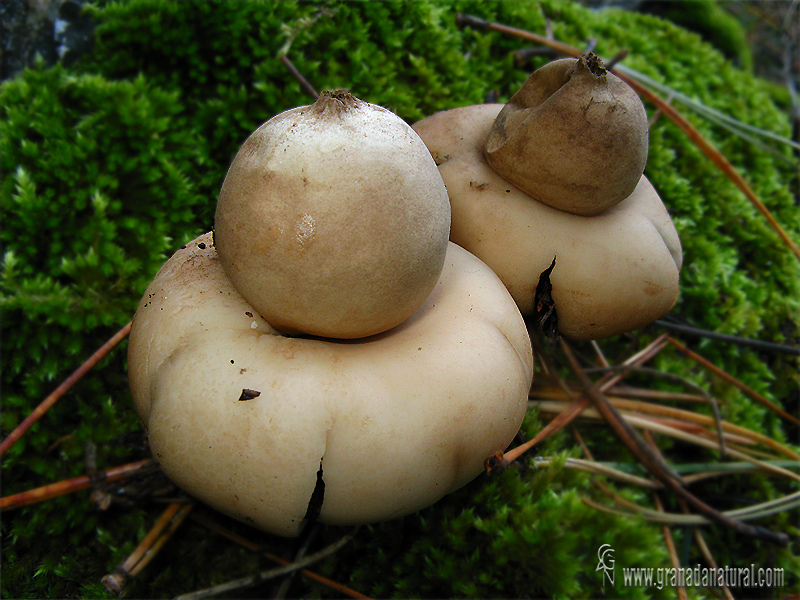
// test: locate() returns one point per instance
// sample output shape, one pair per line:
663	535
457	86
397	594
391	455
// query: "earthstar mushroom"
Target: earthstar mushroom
279	429
612	272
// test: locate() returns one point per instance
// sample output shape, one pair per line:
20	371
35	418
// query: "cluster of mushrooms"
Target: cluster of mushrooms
348	345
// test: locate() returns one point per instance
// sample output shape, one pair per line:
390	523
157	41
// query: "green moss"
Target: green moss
110	165
95	183
94	186
520	534
709	19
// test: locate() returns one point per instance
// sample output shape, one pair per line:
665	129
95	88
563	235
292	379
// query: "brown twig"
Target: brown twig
309	533
732	380
48	402
614	60
165	526
670	542
705	551
670	112
464	20
760	460
714	155
500	461
645	408
523	55
634	392
542	390
579	438
253	580
71	486
671	480
676	378
601	358
620	500
650	459
244	542
657	114
304	84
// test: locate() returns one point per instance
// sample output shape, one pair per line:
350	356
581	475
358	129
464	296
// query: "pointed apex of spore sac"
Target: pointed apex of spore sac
335	102
594	63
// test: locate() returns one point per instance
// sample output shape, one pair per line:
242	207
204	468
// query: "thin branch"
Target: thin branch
661	395
723	337
500	461
650	424
253	580
308	535
677	413
304	84
234	537
705	551
716	157
677	378
650	459
732	380
756	511
600	356
48	402
617	58
663	472
71	486
739	128
733	451
670	542
464	20
736	467
162	539
584	448
541	389
619	500
148	548
596	468
690	471
657	114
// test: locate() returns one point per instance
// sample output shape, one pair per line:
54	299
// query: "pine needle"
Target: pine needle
62	389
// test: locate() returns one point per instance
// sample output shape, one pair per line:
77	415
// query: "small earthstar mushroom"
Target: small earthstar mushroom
608	269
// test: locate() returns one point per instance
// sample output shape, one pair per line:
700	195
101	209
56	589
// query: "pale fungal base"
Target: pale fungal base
614	272
254	423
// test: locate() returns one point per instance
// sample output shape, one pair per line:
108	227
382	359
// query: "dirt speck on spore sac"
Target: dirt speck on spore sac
248	394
